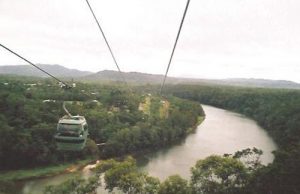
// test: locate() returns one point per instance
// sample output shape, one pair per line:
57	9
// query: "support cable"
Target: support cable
110	50
178	34
16	54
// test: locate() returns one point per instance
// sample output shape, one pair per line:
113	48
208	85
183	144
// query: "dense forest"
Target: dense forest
278	111
129	122
125	121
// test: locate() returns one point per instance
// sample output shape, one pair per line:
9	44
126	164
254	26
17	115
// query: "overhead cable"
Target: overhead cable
172	54
109	47
16	54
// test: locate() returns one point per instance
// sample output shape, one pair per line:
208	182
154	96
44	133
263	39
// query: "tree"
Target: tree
250	158
91	149
75	186
151	185
174	185
217	174
117	172
126	177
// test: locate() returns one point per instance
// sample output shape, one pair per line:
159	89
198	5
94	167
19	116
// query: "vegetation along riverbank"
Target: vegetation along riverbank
126	122
130	122
277	110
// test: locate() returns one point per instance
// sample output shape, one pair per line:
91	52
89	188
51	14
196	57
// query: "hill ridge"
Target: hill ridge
138	77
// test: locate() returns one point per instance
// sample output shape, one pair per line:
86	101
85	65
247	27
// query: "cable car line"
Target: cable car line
44	71
66	110
72	131
172	54
16	54
109	47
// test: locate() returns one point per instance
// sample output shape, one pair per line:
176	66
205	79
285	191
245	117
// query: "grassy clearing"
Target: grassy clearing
164	109
40	172
145	107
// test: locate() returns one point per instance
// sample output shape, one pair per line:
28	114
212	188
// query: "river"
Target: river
221	132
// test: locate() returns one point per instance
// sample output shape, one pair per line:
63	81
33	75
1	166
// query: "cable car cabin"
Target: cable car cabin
71	133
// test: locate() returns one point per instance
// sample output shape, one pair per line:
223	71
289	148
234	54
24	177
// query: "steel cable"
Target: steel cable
172	54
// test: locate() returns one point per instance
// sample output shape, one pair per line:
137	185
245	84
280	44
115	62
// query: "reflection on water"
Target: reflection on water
221	132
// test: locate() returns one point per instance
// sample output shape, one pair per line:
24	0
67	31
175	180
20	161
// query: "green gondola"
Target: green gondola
72	132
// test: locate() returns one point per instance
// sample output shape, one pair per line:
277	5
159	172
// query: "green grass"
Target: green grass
41	171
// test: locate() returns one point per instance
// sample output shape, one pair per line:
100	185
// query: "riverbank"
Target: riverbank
49	171
222	132
43	172
213	137
140	153
199	122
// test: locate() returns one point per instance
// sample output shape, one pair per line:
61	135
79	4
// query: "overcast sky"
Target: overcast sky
220	38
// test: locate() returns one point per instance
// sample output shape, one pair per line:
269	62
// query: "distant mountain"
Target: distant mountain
144	78
135	78
138	78
56	70
259	83
131	77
